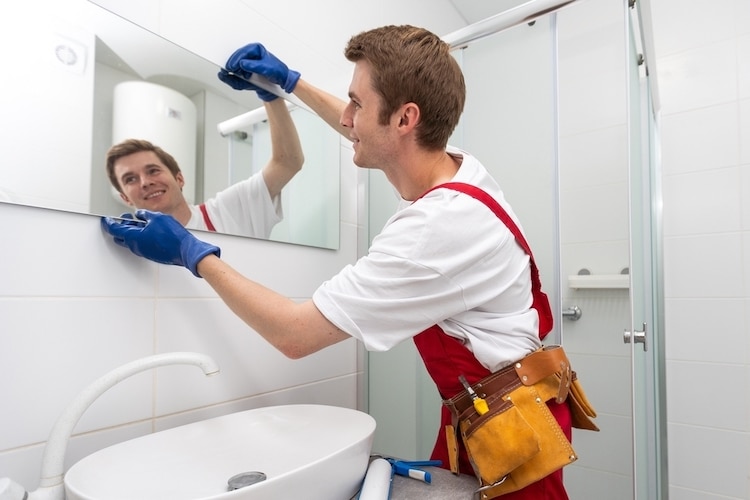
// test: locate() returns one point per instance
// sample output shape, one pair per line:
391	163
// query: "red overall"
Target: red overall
446	358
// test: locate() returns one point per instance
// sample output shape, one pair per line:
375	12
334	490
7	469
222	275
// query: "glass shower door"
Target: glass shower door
645	335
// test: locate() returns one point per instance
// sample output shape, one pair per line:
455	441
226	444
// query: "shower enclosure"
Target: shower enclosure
560	110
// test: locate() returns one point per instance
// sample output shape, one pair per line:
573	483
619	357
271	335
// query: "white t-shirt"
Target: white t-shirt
244	208
447	260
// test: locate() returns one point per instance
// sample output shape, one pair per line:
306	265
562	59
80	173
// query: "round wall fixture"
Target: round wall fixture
66	54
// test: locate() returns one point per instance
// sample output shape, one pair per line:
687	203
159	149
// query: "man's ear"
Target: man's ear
126	199
180	179
408	115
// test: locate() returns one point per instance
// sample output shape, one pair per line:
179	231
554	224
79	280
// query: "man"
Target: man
443	271
147	177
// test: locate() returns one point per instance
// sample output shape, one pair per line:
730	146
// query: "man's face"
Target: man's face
147	183
372	142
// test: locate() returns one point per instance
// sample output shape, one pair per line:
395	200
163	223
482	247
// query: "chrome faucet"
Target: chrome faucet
51	486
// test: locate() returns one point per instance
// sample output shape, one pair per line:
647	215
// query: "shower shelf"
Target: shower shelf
599	281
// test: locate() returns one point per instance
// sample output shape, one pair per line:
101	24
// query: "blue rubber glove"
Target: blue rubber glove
238	83
254	58
160	238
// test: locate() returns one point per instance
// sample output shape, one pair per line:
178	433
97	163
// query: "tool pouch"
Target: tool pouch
518	441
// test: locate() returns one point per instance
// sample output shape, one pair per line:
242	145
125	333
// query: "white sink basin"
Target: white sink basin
305	451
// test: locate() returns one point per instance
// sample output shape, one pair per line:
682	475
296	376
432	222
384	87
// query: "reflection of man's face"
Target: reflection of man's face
147	183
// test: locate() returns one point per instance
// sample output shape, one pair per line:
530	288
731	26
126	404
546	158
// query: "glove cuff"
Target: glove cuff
196	252
292	78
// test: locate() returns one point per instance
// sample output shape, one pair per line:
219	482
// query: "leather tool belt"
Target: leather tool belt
511	436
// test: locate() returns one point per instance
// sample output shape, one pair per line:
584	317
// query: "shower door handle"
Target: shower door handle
636	337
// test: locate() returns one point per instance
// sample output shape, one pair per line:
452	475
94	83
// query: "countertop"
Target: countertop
444	485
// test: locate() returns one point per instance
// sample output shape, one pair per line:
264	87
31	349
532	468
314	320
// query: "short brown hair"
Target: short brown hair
130	146
412	64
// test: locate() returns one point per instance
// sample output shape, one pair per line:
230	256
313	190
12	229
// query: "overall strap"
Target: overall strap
540	300
206	218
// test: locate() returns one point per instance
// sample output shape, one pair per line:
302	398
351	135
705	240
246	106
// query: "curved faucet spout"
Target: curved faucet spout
51	485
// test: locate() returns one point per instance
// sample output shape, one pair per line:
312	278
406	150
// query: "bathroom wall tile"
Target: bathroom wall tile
688	276
609	395
722	405
702	202
741	15
54	348
592	73
744	131
23	465
142	12
53	247
690	494
250	257
594	214
615	434
582	482
594	158
246	360
230	25
605	314
700	140
349	184
718	323
699	77
590	94
743	62
687	25
710	460
335	392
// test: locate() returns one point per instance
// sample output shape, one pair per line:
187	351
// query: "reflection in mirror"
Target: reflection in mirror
58	113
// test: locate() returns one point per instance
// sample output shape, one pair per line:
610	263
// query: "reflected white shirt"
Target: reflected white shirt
244	208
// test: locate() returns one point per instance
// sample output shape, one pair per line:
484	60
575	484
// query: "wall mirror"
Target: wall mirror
57	120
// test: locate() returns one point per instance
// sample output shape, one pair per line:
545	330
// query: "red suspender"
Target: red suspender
540	300
206	218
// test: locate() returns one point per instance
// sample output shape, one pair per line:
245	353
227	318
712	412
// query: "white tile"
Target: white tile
582	482
608	450
699	140
249	365
711	460
718	210
700	329
745	131
688	274
606	380
591	67
594	214
700	77
684	25
71	253
335	392
349	184
594	158
54	348
743	62
23	465
695	398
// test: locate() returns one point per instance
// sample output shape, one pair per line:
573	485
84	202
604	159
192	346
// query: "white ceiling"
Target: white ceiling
476	10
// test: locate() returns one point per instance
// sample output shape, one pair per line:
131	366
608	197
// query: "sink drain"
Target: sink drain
245	479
